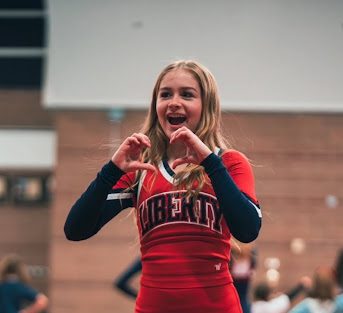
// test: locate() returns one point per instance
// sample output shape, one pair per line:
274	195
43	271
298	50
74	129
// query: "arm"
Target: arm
279	304
304	285
39	305
294	292
122	282
92	210
241	214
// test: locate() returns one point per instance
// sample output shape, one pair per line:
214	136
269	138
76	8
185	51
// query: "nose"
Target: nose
174	102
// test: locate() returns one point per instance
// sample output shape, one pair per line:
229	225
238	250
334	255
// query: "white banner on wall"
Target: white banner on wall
269	55
27	149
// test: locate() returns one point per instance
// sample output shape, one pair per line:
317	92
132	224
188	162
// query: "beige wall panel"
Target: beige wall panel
31	223
89	297
23	108
298	188
94	260
285	132
308	166
82	129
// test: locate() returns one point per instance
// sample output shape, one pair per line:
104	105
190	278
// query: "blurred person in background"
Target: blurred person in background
16	295
339	278
266	302
242	267
322	296
339	271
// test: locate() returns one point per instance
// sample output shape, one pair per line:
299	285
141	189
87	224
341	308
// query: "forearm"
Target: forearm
40	304
241	214
294	292
123	281
127	289
83	218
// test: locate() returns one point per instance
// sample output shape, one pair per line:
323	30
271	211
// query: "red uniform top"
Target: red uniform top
185	245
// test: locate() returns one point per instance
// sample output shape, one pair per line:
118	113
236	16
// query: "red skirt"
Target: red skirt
217	299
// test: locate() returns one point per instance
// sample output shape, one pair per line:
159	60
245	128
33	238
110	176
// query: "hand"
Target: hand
196	150
306	282
128	155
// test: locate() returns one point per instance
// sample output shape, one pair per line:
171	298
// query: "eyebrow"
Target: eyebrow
182	88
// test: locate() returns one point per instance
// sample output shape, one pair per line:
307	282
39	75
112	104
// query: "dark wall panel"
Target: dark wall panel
20	72
22	32
21	4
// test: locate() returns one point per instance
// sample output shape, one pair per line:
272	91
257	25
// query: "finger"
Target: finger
179	130
137	165
180	136
184	160
132	141
143	139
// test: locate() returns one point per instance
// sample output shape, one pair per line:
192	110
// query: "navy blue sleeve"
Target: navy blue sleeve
97	205
241	214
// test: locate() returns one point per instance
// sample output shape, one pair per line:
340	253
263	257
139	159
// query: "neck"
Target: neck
176	150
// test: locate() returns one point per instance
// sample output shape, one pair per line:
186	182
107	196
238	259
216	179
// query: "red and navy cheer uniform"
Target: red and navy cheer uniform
185	242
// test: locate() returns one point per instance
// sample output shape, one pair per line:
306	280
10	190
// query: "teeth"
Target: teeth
175	116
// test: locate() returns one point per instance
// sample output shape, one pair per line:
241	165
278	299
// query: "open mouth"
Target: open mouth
176	120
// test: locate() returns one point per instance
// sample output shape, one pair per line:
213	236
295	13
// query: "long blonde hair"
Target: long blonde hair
208	129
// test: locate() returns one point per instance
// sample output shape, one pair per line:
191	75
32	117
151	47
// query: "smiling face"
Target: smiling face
178	101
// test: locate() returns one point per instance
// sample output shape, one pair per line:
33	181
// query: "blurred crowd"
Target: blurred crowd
321	293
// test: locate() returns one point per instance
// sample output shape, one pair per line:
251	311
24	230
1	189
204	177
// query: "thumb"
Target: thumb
137	165
183	160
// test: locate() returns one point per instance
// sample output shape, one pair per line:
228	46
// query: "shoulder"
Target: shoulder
302	307
233	154
280	303
126	181
20	288
236	162
241	171
258	306
339	302
233	157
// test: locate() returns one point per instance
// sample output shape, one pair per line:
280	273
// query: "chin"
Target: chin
169	129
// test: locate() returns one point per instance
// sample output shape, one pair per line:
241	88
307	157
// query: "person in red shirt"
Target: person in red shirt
191	193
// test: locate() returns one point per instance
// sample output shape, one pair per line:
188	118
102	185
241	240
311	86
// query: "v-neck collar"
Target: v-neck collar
166	171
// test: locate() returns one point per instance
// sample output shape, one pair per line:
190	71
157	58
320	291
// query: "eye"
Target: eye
165	94
187	94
